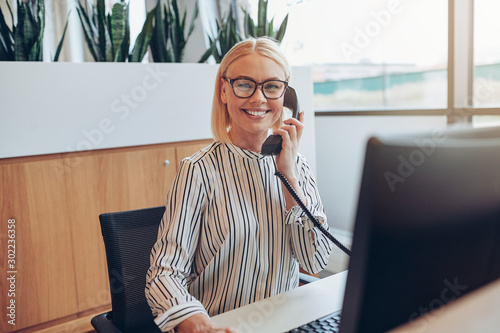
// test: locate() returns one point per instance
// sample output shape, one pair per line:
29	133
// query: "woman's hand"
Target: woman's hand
286	160
200	323
290	132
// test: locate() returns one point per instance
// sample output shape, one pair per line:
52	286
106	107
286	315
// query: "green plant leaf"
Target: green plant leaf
4	55
19	45
118	29
143	40
125	47
37	51
88	31
212	51
6	39
176	28
108	40
270	28
282	29
30	32
160	34
101	25
193	19
59	46
249	25
226	37
25	41
169	32
262	18
207	53
263	28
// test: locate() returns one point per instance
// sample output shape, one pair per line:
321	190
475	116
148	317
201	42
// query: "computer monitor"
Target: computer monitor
427	229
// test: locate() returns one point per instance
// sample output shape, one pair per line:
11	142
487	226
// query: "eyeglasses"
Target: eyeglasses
245	88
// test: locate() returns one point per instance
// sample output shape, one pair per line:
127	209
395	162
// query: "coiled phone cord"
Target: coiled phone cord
308	213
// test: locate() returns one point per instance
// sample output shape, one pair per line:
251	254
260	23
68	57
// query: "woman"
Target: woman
231	234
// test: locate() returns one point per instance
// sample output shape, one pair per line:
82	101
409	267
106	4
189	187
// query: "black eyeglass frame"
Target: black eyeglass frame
261	84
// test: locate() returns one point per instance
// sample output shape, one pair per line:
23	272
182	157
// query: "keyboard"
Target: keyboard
328	323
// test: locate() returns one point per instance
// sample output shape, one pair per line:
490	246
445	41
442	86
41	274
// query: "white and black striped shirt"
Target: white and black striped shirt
226	239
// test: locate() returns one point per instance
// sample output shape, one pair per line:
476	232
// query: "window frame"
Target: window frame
460	108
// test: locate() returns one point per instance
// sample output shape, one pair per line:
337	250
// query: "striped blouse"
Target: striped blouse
226	239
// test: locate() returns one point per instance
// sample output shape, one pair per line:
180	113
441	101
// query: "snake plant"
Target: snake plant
228	33
226	37
108	34
169	33
24	42
263	27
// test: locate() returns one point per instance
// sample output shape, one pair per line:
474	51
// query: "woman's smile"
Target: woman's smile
256	112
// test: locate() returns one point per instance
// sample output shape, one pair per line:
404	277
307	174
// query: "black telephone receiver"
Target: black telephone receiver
272	145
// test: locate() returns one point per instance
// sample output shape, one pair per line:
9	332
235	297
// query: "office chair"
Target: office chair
128	238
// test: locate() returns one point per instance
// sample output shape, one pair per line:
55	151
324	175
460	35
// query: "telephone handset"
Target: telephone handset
272	145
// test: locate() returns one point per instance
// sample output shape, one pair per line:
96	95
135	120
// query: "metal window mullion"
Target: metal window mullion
460	60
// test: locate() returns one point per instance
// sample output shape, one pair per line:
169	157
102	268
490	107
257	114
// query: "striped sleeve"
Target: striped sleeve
311	248
172	255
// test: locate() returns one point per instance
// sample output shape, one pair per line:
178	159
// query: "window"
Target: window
486	61
486	53
370	54
391	56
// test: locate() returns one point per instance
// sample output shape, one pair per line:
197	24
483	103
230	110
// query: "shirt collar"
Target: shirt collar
243	152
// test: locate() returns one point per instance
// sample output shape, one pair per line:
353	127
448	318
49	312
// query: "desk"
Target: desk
478	311
288	310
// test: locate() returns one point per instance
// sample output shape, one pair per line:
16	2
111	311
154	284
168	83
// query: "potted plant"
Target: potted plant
226	37
24	42
108	34
169	32
263	26
228	32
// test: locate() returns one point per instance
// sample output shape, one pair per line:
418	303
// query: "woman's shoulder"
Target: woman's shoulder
303	165
202	163
301	159
204	153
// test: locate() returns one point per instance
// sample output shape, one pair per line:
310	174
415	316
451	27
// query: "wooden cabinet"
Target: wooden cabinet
55	200
42	278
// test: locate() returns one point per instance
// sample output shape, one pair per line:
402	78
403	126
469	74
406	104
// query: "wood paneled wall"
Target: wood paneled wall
59	264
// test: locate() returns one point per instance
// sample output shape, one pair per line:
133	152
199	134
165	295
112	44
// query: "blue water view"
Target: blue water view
402	89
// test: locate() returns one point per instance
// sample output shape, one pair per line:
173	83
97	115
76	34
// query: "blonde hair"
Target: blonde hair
265	46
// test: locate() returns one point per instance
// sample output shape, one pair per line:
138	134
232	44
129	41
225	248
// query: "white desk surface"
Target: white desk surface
478	311
291	309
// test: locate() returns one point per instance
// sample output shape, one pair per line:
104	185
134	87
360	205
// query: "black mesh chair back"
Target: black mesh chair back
128	238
